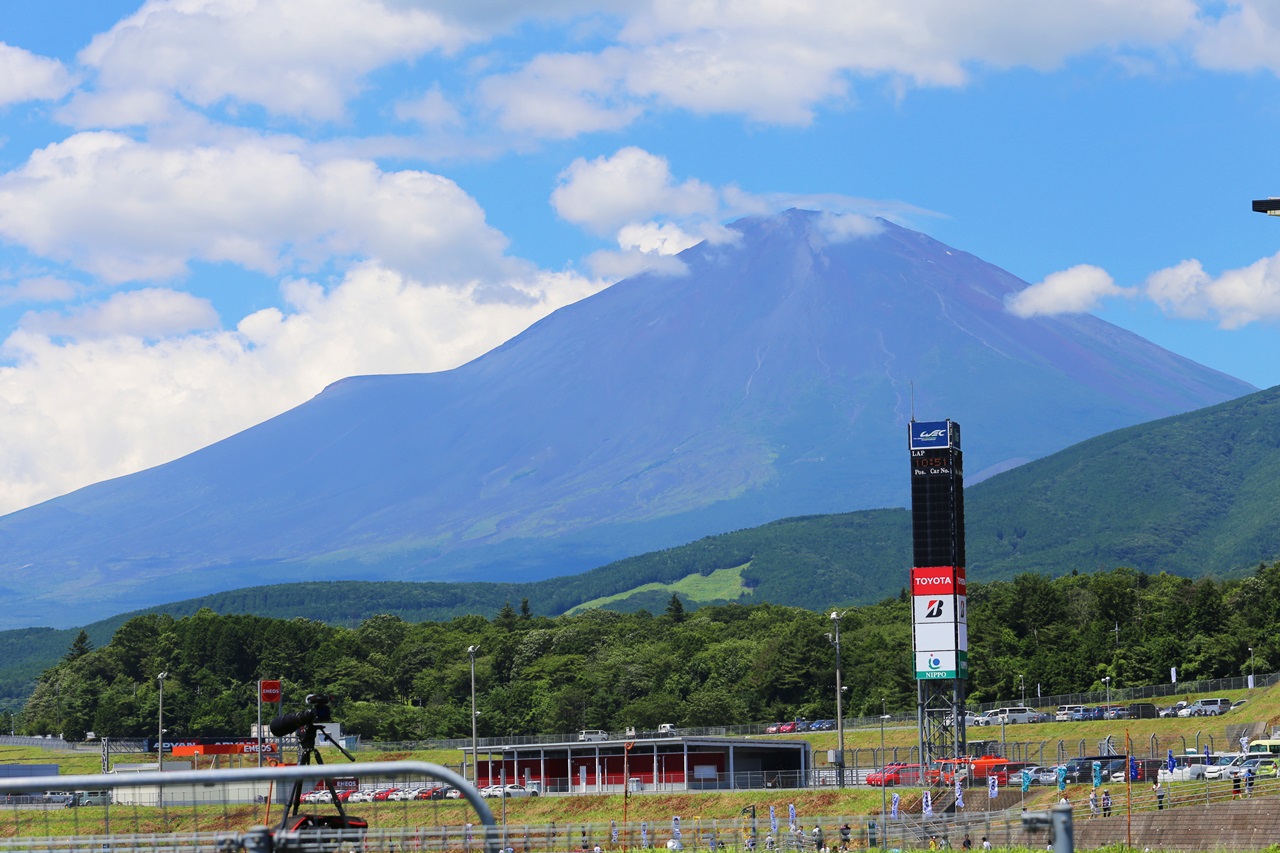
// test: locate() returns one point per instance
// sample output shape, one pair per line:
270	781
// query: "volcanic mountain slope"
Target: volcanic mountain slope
772	379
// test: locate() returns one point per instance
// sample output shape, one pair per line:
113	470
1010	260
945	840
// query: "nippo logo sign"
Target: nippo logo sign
937	580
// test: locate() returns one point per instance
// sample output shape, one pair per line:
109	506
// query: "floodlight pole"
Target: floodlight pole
160	724
884	797
475	752
835	620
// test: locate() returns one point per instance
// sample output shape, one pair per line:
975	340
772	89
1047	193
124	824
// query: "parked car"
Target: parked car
787	728
383	794
513	790
435	793
1262	766
1086	713
1226	766
1080	770
402	795
987	718
361	796
894	773
773	728
1142	711
1172	710
1064	712
453	794
1042	775
1206	708
1114	712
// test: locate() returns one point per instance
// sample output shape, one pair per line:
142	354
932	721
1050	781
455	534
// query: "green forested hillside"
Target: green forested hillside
718	665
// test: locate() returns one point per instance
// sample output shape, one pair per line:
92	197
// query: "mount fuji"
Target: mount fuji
774	377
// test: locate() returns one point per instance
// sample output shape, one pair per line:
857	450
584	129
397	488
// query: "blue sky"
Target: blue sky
210	209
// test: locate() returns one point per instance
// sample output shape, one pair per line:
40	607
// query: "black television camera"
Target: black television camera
318	713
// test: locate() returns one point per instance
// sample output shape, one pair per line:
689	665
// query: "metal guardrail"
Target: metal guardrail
221	811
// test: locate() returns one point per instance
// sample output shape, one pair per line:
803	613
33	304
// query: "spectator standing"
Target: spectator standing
1158	790
845	833
1093	803
1106	804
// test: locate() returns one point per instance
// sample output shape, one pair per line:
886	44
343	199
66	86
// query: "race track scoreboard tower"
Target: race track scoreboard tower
939	618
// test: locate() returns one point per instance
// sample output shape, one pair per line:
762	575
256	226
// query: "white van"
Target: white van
1206	708
1015	714
592	734
1063	714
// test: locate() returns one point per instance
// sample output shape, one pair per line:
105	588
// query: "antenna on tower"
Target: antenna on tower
912	383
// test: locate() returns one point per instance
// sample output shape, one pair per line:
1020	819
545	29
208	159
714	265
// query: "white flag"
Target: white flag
959	795
926	804
893	813
993	787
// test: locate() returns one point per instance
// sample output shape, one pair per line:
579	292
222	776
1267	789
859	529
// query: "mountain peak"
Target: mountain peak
773	378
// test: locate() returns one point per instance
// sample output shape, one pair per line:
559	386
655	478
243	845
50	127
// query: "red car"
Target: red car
384	793
773	728
893	773
787	728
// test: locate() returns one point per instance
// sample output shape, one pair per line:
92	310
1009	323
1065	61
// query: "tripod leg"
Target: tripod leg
333	791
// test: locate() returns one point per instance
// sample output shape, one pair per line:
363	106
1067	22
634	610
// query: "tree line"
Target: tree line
719	665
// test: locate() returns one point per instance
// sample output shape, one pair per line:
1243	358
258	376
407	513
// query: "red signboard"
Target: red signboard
938	580
229	748
270	690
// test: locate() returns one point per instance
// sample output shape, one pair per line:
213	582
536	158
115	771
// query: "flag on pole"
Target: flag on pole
959	794
926	804
1170	763
1026	780
993	787
773	821
893	812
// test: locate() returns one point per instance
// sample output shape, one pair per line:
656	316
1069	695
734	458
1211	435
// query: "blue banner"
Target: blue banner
1097	774
773	821
894	812
1026	780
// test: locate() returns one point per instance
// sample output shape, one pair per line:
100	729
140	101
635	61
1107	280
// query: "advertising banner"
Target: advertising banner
938	580
947	663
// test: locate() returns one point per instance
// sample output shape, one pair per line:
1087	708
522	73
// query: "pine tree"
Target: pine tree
675	609
80	647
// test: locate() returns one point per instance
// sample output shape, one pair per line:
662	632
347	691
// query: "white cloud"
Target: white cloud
559	96
125	210
1243	38
1235	298
1071	291
776	61
627	188
843	227
431	109
75	412
27	77
149	313
38	289
297	59
665	239
614	266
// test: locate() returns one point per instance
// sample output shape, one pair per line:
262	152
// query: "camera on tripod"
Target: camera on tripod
318	713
